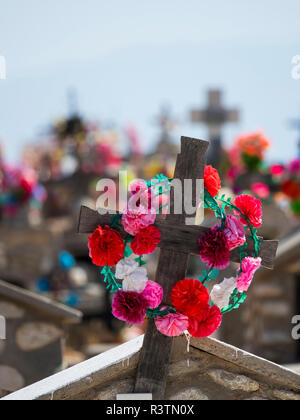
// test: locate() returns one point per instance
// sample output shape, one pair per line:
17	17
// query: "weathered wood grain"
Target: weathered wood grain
181	238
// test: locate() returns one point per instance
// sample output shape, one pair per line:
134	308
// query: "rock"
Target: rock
35	335
184	367
189	394
273	337
233	381
286	395
267	291
10	310
275	309
10	379
125	386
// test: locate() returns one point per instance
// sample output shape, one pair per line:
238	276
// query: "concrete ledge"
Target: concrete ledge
83	376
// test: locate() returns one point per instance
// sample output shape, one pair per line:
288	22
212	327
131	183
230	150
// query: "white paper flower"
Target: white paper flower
125	267
134	277
136	281
220	294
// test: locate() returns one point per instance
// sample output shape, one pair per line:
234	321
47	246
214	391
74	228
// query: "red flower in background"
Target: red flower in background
214	248
146	241
190	297
291	189
206	323
212	181
251	208
106	247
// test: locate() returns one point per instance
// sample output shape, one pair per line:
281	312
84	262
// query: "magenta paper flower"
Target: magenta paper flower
249	266
130	307
136	219
153	294
214	248
294	166
172	325
234	232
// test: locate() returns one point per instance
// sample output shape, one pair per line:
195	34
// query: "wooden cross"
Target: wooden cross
178	241
215	116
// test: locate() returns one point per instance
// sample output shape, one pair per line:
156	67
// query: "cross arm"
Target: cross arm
180	238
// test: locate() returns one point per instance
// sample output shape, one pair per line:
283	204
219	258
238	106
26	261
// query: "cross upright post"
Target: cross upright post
178	241
172	267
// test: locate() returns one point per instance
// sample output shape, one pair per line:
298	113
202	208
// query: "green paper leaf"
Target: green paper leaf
128	252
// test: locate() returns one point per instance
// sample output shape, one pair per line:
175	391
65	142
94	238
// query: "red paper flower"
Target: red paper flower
251	208
206	323
189	297
212	181
146	241
214	248
106	247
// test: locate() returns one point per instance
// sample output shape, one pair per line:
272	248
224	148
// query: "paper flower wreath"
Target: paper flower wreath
193	309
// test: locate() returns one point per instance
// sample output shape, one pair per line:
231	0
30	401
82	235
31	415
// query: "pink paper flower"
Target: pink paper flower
149	199
214	248
137	186
153	294
249	266
136	219
130	307
234	232
172	325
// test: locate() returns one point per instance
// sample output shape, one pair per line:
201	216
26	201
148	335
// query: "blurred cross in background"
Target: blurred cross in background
214	117
73	102
166	122
295	124
167	125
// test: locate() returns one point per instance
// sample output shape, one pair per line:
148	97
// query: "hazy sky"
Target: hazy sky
128	57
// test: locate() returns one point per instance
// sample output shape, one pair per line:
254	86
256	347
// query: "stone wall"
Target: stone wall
199	376
210	371
263	323
33	347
